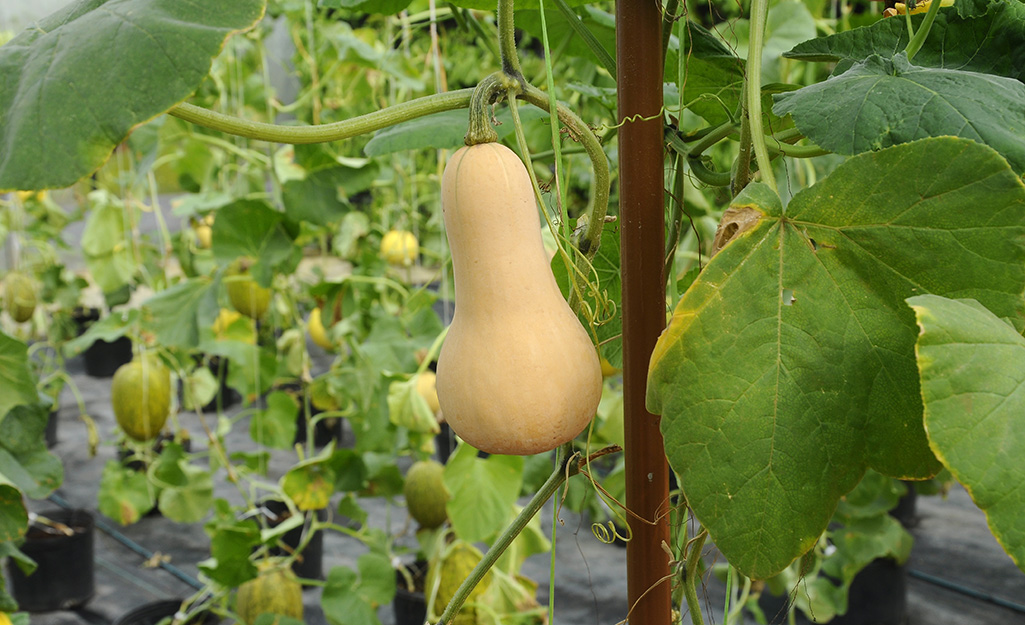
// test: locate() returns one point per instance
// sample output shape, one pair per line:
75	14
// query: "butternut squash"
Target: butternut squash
517	373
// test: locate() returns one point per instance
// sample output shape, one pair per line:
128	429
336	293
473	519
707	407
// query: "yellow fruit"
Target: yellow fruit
456	565
517	373
400	247
204	235
141	396
248	297
19	296
273	592
426	494
426	385
4	619
318	333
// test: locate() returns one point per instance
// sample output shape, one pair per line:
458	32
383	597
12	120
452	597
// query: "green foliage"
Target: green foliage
798	326
80	121
352	598
882	102
973	371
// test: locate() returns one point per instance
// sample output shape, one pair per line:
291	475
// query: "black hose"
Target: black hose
964	590
113	532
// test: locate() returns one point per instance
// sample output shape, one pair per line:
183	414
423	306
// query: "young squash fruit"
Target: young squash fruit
517	373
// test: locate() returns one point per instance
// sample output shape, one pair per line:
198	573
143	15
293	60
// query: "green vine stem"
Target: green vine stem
753	92
918	40
675	221
669	19
564	469
363	124
690	577
742	166
507	40
485	94
601	182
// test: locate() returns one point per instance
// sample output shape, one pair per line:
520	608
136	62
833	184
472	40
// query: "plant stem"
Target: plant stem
485	94
669	18
564	469
600	184
918	40
753	93
324	133
742	166
675	222
690	586
507	40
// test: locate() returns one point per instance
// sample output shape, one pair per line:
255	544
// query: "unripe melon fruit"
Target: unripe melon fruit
426	494
245	295
140	394
273	592
19	296
456	566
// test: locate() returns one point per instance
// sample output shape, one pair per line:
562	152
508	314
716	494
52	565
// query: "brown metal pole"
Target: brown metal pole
642	234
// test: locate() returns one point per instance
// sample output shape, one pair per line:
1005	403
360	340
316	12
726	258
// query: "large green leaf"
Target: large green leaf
351	599
561	36
317	198
788	367
173	314
252	228
882	102
125	494
16	377
76	83
714	74
973	383
13	515
993	43
483	492
381	7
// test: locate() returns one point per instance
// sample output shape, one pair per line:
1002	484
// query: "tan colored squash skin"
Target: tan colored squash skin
517	373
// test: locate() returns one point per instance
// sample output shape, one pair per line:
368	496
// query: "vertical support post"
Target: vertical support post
642	234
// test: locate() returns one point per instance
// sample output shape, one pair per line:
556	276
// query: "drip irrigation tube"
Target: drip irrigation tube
112	531
964	590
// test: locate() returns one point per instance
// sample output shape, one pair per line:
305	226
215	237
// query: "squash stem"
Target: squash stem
690	578
564	469
485	94
324	133
918	40
507	40
753	91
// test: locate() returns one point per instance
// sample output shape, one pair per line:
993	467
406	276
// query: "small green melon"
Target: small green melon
19	296
426	494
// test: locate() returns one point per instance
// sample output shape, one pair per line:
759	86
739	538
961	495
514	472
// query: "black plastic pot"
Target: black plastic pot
445	443
410	606
310	563
51	428
225	394
153	613
324	430
63	578
102	359
878	596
